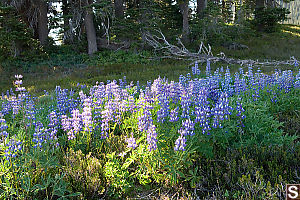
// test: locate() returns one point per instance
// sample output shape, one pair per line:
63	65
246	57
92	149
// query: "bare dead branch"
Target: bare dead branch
204	54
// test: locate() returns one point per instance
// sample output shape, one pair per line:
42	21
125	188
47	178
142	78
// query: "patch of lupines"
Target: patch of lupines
123	82
44	135
13	147
203	102
256	94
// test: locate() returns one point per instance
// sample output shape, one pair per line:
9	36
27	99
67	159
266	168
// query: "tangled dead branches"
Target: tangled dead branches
167	50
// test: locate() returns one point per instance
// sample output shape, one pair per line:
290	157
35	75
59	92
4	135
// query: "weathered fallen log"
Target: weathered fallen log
167	50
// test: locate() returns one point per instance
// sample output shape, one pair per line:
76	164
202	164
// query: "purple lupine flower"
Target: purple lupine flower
174	91
107	116
221	110
13	148
297	80
30	110
82	96
226	84
195	69
174	115
87	115
251	81
164	110
182	80
188	125
76	120
152	138
239	84
145	119
53	120
131	104
202	116
65	101
76	124
66	123
3	127
39	137
296	63
256	95
131	143
286	81
180	143
241	111
185	105
208	69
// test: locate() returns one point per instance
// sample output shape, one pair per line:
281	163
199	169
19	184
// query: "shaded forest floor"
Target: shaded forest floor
63	66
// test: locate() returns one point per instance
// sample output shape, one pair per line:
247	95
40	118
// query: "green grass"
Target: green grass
66	68
276	46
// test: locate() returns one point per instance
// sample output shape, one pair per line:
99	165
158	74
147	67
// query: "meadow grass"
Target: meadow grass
67	68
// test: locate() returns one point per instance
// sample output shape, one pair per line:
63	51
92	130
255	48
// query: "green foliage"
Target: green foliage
15	36
213	29
84	173
266	19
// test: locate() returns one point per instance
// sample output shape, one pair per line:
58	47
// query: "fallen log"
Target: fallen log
167	50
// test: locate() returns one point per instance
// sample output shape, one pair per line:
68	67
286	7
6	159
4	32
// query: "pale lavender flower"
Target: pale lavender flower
131	143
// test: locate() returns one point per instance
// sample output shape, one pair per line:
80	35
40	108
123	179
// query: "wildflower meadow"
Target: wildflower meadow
209	135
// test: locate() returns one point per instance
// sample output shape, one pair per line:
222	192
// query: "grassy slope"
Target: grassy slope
278	46
69	69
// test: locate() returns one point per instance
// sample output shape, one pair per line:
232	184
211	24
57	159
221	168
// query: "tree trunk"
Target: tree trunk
42	25
184	9
119	9
259	5
201	5
90	29
65	9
